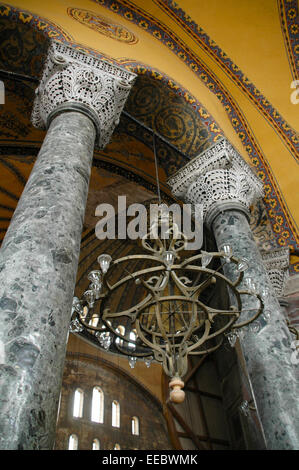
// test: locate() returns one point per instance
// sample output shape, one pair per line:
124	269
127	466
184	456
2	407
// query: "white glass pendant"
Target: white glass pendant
75	326
168	258
132	361
148	360
206	258
89	295
242	265
232	338
227	252
104	261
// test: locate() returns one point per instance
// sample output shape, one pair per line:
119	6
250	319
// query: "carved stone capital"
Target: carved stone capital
73	80
277	262
219	179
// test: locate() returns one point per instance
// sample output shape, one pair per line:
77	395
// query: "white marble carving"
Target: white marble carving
71	77
217	175
276	262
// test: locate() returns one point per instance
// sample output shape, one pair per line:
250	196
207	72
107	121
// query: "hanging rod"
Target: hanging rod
156	134
18	76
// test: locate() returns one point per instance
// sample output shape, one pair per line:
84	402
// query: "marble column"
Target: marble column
225	185
78	101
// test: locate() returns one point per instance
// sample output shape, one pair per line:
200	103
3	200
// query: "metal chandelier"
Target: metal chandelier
163	298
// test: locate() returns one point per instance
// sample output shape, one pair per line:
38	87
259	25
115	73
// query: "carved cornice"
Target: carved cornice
73	80
277	266
219	179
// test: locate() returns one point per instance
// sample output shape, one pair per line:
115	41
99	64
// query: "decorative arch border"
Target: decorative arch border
281	221
232	70
49	29
161	32
288	16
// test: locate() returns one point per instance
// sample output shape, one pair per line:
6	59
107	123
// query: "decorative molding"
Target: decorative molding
74	80
218	179
103	25
175	44
46	27
276	262
288	15
287	133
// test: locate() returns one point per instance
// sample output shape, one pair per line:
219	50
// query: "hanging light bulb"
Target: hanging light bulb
242	265
168	258
77	306
96	288
227	252
89	295
104	261
206	258
148	360
232	338
105	339
95	276
132	361
75	326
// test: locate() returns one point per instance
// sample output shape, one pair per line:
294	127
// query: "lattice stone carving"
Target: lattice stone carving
72	78
276	262
217	175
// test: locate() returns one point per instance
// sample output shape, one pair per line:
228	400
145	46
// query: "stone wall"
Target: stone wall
85	372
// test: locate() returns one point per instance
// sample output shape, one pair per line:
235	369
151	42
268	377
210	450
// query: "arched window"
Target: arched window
97	405
96	444
78	403
73	442
116	447
122	331
115	414
94	320
132	337
135	426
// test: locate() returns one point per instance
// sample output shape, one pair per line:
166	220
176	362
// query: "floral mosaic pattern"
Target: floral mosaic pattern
288	14
102	25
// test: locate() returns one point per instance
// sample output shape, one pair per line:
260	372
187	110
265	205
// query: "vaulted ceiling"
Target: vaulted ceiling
205	69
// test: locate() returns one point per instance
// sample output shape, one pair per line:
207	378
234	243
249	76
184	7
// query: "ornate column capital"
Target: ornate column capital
219	179
277	262
75	81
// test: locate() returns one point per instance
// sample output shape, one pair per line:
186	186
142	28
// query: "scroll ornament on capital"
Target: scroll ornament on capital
73	80
219	175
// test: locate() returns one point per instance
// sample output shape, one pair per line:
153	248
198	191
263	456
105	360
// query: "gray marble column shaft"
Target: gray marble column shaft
38	265
267	353
227	186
